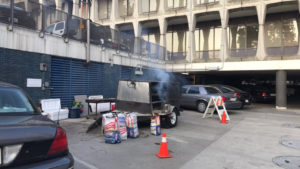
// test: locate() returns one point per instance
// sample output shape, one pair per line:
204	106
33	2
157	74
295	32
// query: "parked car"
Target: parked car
75	29
230	91
100	35
261	93
198	96
28	139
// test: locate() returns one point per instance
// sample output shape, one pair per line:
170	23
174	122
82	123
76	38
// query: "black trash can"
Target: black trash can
74	112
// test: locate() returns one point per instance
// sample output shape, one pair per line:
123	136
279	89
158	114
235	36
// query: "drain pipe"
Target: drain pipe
88	42
88	34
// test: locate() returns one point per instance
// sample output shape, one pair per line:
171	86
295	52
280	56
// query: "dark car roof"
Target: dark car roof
198	85
231	87
4	84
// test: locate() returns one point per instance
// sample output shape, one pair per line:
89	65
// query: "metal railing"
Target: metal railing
48	20
176	56
282	51
207	55
242	53
205	2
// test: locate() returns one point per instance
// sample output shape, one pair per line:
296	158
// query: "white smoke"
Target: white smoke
162	76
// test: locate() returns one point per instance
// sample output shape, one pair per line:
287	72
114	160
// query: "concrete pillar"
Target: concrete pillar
162	6
76	8
163	30
224	21
137	27
281	95
114	10
94	11
299	29
191	36
191	39
136	8
261	49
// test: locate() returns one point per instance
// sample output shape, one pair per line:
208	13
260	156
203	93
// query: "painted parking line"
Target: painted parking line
85	163
177	140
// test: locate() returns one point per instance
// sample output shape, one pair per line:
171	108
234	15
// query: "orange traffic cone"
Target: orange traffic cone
164	152
223	120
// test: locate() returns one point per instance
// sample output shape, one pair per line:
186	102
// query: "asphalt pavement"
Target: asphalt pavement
250	140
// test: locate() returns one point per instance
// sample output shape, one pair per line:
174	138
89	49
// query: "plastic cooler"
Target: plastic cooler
101	107
52	109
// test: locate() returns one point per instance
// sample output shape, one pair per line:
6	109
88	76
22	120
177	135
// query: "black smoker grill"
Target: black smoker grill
149	98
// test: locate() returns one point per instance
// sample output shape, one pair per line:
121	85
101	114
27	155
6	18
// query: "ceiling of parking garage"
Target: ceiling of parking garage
125	27
282	7
150	24
209	16
242	12
245	74
177	20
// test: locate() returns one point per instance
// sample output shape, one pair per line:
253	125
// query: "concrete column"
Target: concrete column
299	29
114	10
281	95
261	49
162	4
76	7
94	11
191	36
136	8
137	27
224	45
163	30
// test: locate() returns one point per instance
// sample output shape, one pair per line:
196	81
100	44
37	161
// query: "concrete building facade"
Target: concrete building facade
202	37
214	35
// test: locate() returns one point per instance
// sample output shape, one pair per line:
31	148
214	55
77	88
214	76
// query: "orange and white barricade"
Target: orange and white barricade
216	103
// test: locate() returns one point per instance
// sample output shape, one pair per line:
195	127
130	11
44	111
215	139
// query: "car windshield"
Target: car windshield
211	90
13	100
226	89
234	89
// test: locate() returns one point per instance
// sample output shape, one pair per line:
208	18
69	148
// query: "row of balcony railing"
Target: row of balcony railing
151	6
50	21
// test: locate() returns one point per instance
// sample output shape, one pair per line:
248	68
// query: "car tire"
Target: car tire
171	119
201	106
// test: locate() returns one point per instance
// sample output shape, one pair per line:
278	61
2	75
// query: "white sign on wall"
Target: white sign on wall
34	82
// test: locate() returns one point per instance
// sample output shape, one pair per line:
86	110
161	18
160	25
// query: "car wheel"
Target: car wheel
171	119
201	106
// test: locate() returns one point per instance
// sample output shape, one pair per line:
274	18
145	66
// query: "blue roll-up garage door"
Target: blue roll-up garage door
70	77
126	73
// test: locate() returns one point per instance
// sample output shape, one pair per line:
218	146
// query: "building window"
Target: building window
208	42
172	4
243	37
150	6
281	34
150	44
153	38
126	7
177	44
104	9
204	2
